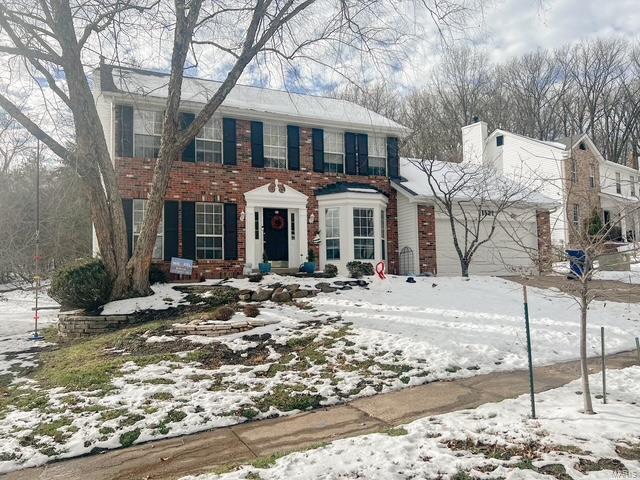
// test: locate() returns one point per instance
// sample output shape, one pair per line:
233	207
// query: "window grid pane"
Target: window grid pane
275	146
209	228
139	206
363	234
332	237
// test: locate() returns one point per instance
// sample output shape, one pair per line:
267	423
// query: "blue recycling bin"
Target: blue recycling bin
578	262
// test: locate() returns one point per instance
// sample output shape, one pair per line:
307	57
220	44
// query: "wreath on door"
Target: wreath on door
277	222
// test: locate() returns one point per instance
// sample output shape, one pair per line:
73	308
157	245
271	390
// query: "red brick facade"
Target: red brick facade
427	239
202	182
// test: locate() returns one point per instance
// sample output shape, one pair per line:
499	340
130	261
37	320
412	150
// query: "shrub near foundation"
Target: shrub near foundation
83	284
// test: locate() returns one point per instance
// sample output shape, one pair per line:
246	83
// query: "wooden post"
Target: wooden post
529	355
604	373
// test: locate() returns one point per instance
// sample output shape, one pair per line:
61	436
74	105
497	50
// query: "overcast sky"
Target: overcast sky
510	28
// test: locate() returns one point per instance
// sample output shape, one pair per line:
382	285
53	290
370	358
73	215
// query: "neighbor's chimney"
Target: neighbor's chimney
473	141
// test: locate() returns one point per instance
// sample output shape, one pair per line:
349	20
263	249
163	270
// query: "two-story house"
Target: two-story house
272	175
575	174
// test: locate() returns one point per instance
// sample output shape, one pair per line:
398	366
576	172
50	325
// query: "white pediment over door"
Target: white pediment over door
276	195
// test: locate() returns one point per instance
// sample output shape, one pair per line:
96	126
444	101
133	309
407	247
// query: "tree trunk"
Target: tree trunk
584	370
464	266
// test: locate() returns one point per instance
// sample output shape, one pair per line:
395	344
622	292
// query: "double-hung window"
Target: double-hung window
333	152
209	227
363	236
332	235
147	129
618	184
139	206
592	178
209	142
377	156
574	171
275	146
576	215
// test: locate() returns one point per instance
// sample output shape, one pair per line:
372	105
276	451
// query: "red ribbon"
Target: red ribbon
380	270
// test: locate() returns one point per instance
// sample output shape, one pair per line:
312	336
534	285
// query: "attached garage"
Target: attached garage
425	231
501	255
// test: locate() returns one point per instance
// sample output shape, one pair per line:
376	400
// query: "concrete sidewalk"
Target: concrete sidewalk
201	452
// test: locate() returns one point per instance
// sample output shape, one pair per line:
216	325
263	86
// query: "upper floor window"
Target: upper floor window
363	237
377	156
618	184
582	146
574	171
147	129
333	152
139	206
209	142
499	140
592	178
209	224
275	146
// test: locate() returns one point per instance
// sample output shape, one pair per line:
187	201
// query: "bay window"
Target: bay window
139	206
333	152
377	156
332	236
209	228
147	131
363	234
209	142
275	146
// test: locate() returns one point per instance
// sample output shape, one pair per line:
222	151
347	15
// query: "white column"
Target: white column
623	221
249	241
303	241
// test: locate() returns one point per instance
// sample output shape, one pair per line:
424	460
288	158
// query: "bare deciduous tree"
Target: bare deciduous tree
54	38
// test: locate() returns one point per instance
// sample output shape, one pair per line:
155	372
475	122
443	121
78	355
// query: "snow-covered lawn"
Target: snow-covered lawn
144	383
496	440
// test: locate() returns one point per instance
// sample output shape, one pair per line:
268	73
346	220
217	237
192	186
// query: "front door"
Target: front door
276	239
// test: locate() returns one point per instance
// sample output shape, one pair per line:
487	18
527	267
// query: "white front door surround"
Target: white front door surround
278	196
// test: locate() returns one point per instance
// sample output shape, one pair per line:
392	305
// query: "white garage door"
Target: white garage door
501	255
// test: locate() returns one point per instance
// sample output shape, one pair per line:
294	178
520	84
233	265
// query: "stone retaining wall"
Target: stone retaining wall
214	329
74	324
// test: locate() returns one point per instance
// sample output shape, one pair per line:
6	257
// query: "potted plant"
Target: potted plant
264	266
310	265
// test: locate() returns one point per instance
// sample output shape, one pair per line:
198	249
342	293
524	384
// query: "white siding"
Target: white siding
408	229
529	158
501	255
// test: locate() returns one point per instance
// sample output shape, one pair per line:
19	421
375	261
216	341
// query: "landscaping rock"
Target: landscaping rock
324	287
262	295
255	277
300	293
292	287
281	295
245	295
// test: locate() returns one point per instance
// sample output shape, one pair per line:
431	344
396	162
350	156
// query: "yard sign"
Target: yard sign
181	266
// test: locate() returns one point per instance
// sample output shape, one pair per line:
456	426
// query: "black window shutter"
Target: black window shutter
363	154
124	131
393	156
229	140
257	145
317	144
127	205
170	230
350	153
293	147
189	153
189	230
230	231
